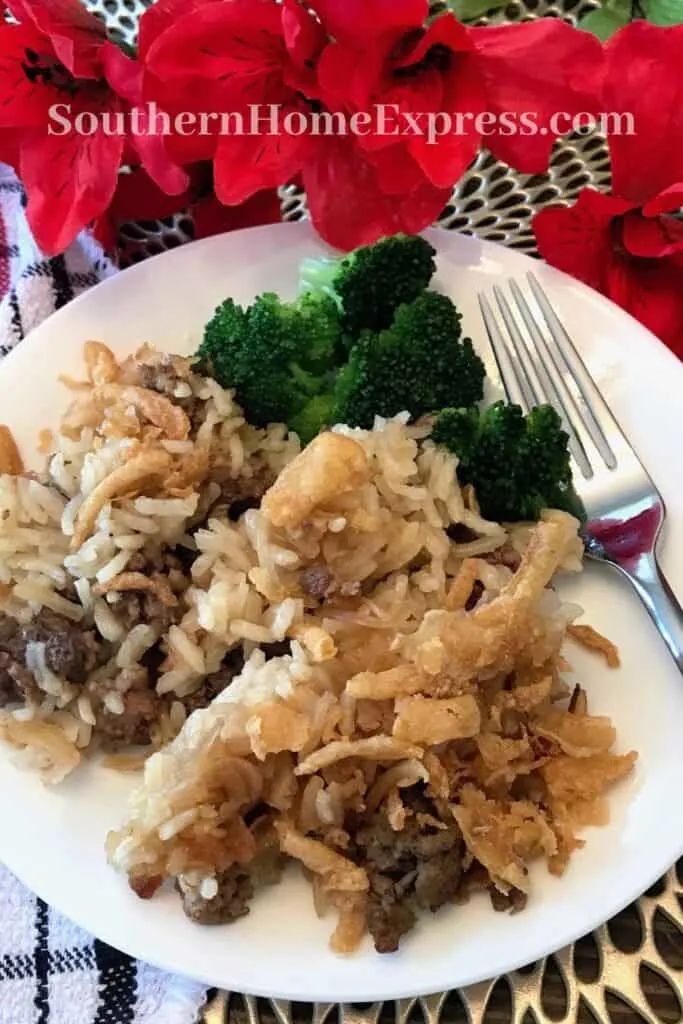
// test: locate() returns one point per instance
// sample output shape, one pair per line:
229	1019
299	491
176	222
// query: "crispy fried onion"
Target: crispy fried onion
402	681
429	721
10	459
594	641
502	836
491	637
155	584
521	699
461	587
100	363
52	753
576	735
157	409
339	874
332	465
274	728
351	924
405	773
575	782
374	748
128	479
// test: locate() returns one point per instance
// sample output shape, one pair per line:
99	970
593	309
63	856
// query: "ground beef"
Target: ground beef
475	596
461	534
389	916
142	708
237	885
235	892
316	581
512	901
418	868
71	652
504	556
278	649
239	494
16	682
163	376
136	606
233	663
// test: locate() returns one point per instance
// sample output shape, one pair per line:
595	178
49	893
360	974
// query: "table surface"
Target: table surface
631	969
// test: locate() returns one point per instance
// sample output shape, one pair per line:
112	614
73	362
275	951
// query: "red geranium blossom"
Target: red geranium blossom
628	244
137	197
59	55
231	57
245	59
388	60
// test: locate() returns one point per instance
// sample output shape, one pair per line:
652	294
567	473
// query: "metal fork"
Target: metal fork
539	363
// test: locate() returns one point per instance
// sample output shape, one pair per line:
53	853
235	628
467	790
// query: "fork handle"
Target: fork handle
662	604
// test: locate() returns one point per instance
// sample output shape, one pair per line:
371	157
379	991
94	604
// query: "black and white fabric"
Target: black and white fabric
51	972
31	285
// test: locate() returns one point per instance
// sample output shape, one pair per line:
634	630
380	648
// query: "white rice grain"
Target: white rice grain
107	623
188	652
139	640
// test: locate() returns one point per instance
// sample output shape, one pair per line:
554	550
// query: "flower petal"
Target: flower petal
245	164
212	218
647	162
354	19
652	237
160	16
348	208
123	74
652	292
304	36
348	75
226	44
82	178
578	239
76	35
444	158
10	146
668	201
23	101
531	72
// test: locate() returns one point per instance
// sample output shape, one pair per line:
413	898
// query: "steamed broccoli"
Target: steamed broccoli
517	465
276	355
373	281
419	365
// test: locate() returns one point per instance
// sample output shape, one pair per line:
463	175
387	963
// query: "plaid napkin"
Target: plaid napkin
50	971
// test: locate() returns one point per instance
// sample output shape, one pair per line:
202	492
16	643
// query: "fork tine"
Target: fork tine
521	363
503	356
580	386
554	391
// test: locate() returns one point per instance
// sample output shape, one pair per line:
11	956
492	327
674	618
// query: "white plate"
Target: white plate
53	839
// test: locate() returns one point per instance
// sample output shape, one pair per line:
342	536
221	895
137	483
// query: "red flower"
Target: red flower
474	83
231	59
59	57
138	197
628	245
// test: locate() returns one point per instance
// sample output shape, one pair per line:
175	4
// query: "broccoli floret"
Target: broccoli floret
419	365
518	465
276	355
373	281
318	413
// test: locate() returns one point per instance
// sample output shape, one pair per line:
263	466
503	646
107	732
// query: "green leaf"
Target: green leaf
470	10
663	12
605	21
